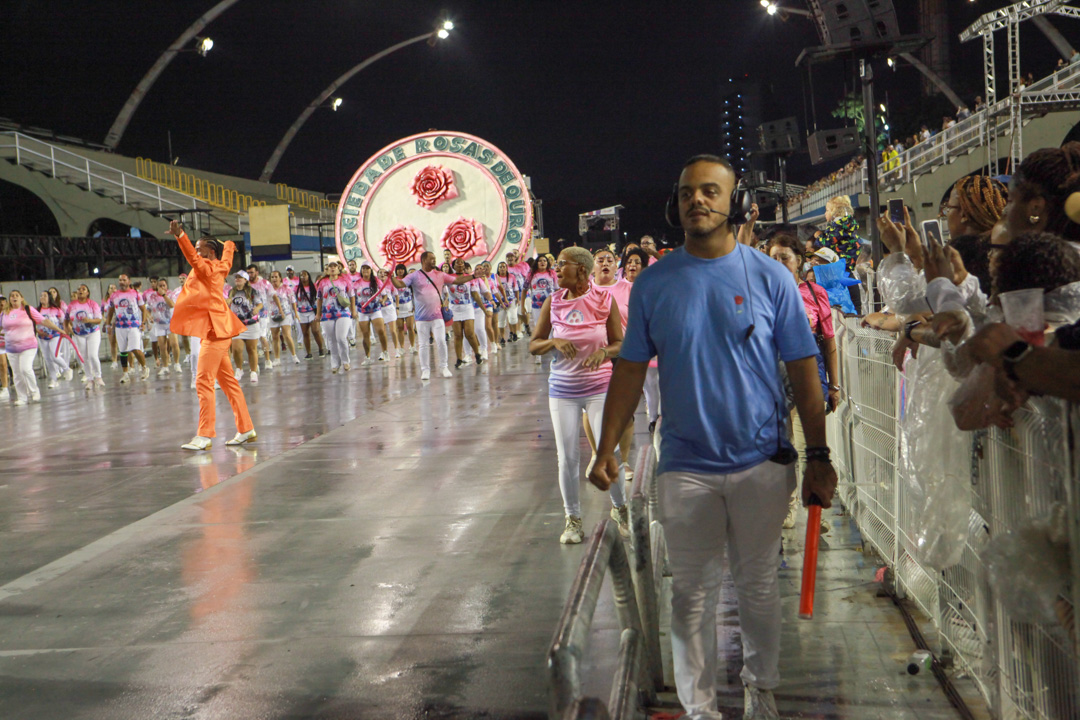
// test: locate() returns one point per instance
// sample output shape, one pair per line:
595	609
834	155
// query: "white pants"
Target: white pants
652	393
352	331
425	330
22	367
89	347
195	343
566	421
54	366
336	335
480	328
702	515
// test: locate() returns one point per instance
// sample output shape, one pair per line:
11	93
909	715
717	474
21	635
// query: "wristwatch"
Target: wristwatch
1012	356
911	326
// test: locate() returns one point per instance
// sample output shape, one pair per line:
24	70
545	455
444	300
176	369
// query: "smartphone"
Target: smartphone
931	233
896	210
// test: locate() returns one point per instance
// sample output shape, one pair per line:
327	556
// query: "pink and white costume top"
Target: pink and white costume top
54	314
160	312
542	286
461	295
335	296
19	329
78	312
126	304
285	296
364	293
302	304
621	292
263	290
582	321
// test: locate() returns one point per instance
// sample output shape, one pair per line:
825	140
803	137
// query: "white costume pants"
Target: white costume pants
195	343
22	367
336	335
652	393
89	347
480	328
426	330
702	516
566	421
54	366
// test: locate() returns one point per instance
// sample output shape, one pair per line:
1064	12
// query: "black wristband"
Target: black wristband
820	454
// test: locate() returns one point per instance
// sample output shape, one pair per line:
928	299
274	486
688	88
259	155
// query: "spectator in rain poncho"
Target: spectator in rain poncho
832	275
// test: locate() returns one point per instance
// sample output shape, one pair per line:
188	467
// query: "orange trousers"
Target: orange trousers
215	364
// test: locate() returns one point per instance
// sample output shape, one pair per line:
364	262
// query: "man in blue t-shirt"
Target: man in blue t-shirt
719	317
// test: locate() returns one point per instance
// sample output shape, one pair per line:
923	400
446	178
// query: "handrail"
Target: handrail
303	198
924	156
605	551
211	193
646	542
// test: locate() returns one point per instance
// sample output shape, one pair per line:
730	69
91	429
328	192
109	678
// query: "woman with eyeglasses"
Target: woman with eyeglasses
20	344
49	339
582	326
335	308
83	321
462	306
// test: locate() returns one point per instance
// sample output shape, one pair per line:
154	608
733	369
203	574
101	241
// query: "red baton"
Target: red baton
809	570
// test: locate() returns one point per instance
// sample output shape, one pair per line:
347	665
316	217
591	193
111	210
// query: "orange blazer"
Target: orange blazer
201	309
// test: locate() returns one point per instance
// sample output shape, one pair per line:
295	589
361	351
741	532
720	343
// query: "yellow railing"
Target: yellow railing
201	188
303	198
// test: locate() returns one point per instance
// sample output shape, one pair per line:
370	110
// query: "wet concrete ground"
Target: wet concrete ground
388	549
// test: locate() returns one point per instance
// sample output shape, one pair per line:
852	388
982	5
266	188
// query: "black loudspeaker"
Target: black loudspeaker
779	135
741	200
855	21
830	144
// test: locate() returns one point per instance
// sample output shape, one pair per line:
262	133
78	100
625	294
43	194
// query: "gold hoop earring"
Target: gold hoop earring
1033	219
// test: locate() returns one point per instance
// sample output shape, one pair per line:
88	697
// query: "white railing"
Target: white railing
960	139
1025	669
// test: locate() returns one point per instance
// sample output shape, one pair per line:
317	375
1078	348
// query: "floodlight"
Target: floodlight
336	104
771	9
443	34
205	46
448	25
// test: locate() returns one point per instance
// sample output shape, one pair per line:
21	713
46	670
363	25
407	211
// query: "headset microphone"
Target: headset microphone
717	212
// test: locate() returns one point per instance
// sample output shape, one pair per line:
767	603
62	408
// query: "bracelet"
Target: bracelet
909	327
819	454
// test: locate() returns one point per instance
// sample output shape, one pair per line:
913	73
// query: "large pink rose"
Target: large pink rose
402	245
433	186
464	239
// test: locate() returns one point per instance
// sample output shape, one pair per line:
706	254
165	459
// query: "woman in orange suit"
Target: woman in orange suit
202	312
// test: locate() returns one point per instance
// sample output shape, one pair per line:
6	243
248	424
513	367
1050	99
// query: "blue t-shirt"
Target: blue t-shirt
724	407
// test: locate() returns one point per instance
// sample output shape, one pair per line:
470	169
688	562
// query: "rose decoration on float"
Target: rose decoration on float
464	239
433	186
403	244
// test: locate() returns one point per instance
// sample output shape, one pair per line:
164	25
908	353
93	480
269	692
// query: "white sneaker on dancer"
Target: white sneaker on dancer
346	367
397	353
538	360
68	374
163	372
269	364
383	357
99	382
295	360
238	374
4	395
425	374
573	533
759	704
36	397
126	377
368	361
19	402
466	360
445	372
254	377
145	374
51	384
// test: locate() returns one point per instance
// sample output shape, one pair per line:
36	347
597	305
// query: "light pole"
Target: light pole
205	44
441	32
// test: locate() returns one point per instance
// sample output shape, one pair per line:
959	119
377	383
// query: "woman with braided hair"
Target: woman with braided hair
1044	196
974	205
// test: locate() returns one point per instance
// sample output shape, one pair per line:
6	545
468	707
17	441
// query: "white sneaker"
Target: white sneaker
4	394
346	367
269	364
538	360
198	443
572	534
19	402
239	373
51	384
295	360
192	383
495	349
36	397
466	360
242	438
484	354
176	367
445	372
397	353
254	377
759	704
126	377
414	351
145	374
99	382
68	374
114	364
368	361
383	357
426	374
163	372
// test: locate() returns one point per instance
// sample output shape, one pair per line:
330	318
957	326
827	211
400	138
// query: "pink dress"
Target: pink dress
582	321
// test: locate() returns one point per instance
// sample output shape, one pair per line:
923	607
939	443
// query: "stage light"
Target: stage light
205	46
336	104
771	9
443	34
882	106
448	25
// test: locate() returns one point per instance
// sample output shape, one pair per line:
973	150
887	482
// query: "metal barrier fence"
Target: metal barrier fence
636	583
1025	670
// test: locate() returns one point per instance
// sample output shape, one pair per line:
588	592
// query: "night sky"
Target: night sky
598	102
